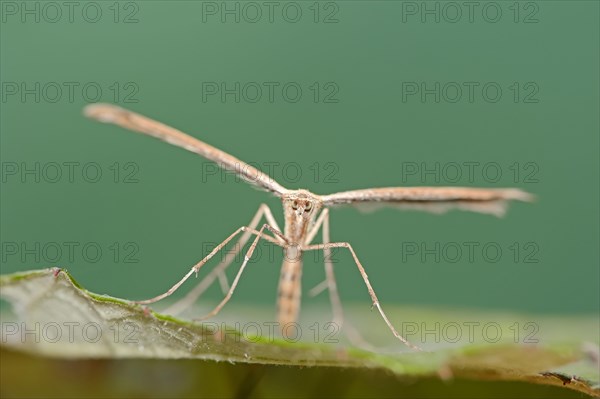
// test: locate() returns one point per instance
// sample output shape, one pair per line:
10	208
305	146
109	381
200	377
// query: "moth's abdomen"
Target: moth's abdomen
290	288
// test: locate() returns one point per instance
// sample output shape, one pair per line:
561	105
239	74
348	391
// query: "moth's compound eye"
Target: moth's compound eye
295	205
308	207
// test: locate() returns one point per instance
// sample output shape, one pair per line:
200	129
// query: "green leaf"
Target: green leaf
49	302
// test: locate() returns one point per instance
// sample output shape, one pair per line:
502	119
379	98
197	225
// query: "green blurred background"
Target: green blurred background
363	56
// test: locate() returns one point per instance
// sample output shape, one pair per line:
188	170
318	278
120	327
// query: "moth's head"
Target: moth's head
301	205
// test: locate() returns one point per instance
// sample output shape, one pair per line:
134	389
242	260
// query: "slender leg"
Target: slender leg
229	257
330	284
323	221
317	289
315	229
367	283
198	265
260	235
219	270
322	286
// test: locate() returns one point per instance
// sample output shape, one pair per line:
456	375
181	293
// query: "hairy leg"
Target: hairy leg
219	270
249	253
330	284
363	273
198	265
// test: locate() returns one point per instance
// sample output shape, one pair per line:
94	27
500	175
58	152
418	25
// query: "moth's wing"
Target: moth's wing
108	113
430	199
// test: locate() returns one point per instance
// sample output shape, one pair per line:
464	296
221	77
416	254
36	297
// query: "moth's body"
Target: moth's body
300	208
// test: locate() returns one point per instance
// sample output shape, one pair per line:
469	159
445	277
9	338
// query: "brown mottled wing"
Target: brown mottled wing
108	113
431	199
